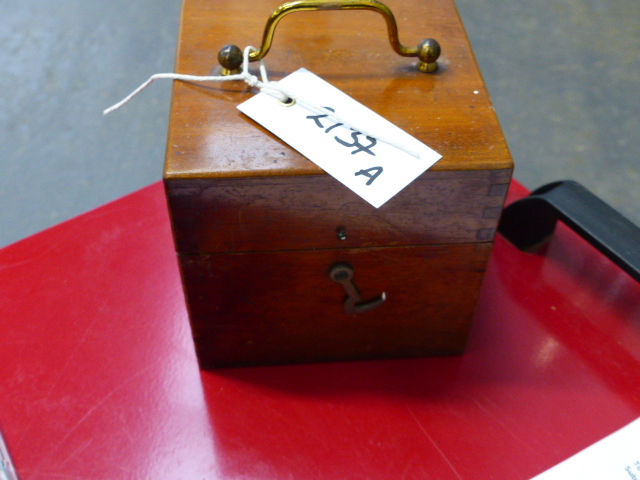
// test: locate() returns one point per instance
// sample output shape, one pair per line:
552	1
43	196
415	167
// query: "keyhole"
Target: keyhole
342	273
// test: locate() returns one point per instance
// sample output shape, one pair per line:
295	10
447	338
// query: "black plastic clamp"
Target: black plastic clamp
529	223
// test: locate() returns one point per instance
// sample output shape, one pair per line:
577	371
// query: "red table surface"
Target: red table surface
99	376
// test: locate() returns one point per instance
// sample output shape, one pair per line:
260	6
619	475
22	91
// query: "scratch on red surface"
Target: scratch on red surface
76	452
104	400
59	377
60	442
426	434
18	264
495	418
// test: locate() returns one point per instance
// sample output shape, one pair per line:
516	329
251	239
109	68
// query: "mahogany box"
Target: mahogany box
283	264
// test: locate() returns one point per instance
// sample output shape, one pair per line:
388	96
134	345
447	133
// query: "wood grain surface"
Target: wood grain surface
450	110
282	307
305	212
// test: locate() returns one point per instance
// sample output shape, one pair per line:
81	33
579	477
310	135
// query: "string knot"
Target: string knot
251	80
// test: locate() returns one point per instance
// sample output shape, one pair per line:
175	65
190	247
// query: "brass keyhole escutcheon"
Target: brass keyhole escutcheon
342	273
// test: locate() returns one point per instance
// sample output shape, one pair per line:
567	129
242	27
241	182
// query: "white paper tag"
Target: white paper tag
373	169
616	457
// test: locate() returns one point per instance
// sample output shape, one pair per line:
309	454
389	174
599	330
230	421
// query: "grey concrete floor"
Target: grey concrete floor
563	75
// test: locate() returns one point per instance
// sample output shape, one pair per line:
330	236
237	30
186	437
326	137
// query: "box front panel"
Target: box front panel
300	213
283	307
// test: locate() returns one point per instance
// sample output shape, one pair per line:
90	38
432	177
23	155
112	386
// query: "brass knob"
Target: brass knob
230	57
428	53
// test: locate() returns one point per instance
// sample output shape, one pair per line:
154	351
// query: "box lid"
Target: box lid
449	110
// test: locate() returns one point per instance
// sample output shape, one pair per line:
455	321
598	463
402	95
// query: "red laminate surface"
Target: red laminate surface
99	379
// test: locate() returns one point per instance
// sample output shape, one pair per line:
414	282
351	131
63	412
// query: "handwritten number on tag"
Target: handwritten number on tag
316	118
316	134
354	135
355	143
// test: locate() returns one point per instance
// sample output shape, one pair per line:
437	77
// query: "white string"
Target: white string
251	80
266	86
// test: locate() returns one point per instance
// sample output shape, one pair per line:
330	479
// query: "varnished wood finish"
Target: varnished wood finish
282	307
450	110
256	224
304	212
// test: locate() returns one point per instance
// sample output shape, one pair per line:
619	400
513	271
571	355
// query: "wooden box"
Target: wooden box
258	228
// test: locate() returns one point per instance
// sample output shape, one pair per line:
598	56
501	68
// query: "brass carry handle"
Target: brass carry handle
428	51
